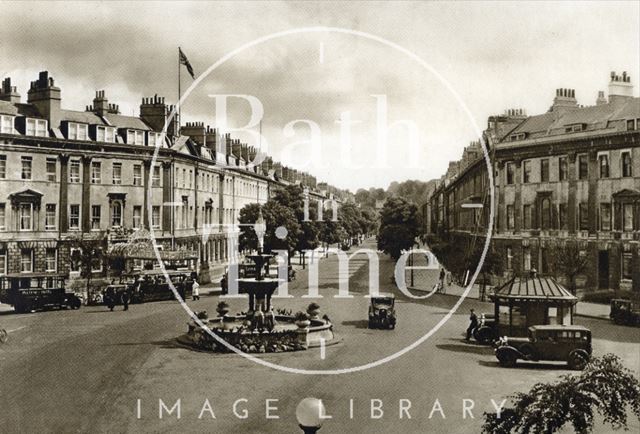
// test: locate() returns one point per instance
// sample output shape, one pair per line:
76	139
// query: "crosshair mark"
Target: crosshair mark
321	55
281	232
322	349
472	205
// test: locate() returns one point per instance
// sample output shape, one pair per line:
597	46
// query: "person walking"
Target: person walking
195	290
110	298
473	318
125	299
441	282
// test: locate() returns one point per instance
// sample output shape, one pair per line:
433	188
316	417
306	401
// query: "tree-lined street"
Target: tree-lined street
92	366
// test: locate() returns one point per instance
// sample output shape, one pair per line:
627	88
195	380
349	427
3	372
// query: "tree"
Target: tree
275	215
569	261
331	232
399	226
87	254
492	264
304	234
349	217
605	387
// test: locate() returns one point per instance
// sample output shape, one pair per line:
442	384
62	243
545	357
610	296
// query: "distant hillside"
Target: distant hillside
414	191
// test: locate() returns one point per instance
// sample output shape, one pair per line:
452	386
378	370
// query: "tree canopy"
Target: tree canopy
399	226
605	387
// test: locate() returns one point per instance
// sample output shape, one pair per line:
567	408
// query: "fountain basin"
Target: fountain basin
285	336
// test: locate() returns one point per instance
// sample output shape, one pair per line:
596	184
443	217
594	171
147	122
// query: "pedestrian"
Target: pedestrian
125	299
441	283
110	298
473	318
195	290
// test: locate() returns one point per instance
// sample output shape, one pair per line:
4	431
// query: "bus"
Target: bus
28	292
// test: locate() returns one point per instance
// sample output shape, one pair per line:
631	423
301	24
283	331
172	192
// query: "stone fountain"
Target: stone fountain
260	330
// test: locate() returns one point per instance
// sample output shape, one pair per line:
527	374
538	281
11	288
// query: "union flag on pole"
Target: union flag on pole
185	62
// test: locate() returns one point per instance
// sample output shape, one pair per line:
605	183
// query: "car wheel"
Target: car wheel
3	336
507	359
578	360
527	351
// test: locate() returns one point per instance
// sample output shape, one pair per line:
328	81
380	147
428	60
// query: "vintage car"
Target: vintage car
382	313
486	331
570	343
37	291
624	311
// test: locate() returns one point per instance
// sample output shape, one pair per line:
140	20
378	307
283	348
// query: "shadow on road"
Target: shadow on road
359	324
465	348
165	344
538	366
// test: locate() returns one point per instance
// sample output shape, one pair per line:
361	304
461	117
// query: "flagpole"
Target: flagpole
179	94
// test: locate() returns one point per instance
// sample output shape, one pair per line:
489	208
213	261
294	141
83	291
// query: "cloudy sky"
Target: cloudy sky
493	56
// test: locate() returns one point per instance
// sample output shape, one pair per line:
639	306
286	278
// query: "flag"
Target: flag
185	62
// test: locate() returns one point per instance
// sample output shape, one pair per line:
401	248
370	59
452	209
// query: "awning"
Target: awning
533	288
144	251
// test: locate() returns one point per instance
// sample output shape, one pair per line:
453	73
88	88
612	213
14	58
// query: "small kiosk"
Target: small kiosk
524	301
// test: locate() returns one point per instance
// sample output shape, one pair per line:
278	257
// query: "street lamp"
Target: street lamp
309	413
261	228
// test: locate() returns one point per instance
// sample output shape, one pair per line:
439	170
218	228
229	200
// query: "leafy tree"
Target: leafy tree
492	264
399	226
605	387
349	217
87	254
275	215
569	262
331	232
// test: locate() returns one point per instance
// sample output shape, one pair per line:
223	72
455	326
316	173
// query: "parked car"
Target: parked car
382	312
570	343
487	330
624	311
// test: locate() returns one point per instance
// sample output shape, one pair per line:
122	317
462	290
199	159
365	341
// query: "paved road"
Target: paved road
83	371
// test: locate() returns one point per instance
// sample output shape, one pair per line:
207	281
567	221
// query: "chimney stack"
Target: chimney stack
565	98
620	87
45	97
100	103
601	98
8	92
156	113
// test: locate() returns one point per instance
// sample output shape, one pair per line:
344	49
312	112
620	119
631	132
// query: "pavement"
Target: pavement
97	371
583	308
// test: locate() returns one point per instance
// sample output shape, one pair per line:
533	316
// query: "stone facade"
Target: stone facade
64	173
569	175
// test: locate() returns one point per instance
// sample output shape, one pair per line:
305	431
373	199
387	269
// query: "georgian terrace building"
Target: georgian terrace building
65	172
572	173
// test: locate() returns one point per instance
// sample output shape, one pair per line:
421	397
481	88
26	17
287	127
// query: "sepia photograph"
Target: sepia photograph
332	217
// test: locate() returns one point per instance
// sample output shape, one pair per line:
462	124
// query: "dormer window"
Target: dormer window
135	137
575	128
105	134
77	131
517	136
6	124
154	139
36	127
